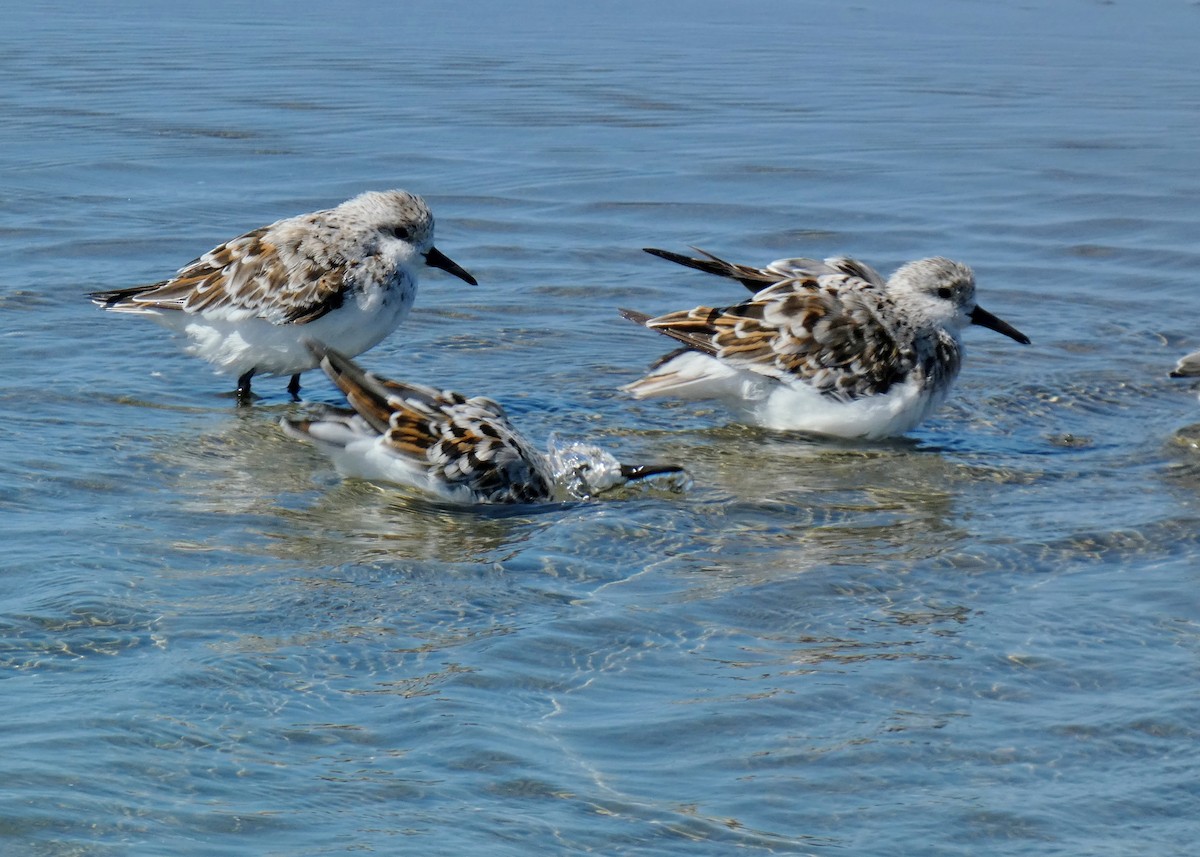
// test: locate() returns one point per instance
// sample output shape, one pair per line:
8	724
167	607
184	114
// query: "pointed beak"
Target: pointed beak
435	258
983	318
641	471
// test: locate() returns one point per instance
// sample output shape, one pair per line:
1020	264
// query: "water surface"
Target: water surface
981	638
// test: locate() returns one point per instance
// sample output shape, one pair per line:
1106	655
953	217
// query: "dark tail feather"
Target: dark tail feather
642	471
693	341
751	278
115	297
710	265
634	316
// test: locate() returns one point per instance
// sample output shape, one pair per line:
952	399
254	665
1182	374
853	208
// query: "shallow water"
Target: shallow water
981	638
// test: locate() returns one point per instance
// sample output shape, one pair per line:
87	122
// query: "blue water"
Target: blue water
980	639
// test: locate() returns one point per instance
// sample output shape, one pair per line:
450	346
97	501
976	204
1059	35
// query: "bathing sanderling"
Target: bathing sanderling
825	347
459	449
345	275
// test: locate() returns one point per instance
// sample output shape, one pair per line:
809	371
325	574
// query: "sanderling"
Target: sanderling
345	275
824	347
1188	366
459	449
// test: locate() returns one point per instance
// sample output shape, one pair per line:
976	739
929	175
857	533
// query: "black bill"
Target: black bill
641	471
983	318
435	258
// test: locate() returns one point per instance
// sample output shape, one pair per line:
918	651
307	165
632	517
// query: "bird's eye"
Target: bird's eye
944	293
400	232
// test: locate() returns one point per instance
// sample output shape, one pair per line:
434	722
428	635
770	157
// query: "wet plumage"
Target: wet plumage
461	449
826	347
345	275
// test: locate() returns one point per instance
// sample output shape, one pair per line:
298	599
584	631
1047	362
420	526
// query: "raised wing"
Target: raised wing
461	442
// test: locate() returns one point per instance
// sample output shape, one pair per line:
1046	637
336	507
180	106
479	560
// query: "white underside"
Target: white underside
362	454
237	346
771	404
370	460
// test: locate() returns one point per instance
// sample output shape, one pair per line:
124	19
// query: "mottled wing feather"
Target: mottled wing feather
946	359
830	270
825	332
690	327
855	268
466	442
366	393
257	278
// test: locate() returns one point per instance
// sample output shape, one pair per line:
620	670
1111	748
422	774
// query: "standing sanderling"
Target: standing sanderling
345	275
825	347
459	449
1188	366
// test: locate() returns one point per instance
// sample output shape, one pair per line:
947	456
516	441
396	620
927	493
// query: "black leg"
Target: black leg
294	387
243	391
